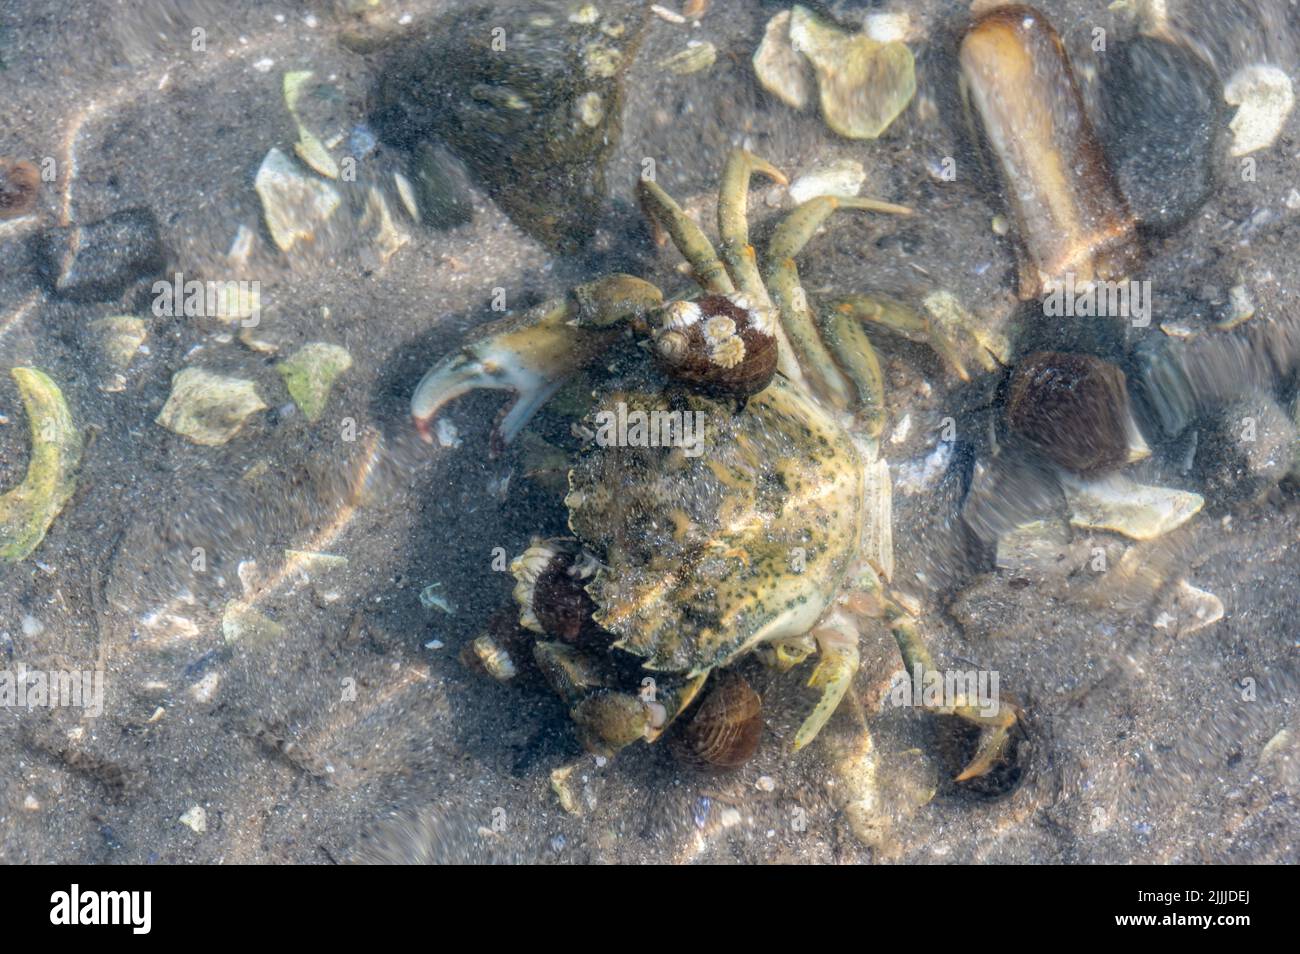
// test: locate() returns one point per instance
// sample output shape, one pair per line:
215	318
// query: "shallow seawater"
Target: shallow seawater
289	212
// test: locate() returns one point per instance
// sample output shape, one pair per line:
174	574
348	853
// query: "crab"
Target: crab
770	533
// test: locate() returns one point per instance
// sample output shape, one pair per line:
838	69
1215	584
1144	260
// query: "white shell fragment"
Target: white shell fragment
1188	609
308	147
118	338
195	819
1264	97
242	623
430	598
294	203
780	70
377	222
841	178
209	408
206	688
1120	504
698	55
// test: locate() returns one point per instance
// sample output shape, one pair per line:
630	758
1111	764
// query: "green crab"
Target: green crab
729	498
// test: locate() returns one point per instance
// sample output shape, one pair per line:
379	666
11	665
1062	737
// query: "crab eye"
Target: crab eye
718	343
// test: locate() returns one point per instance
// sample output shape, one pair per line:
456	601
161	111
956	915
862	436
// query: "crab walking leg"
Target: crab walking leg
902	320
530	355
995	727
694	245
837	643
733	224
783	281
857	359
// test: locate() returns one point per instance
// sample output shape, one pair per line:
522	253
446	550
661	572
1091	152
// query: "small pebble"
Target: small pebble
196	819
765	783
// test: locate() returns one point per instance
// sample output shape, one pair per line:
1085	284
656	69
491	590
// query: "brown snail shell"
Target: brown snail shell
550	588
1074	408
20	181
722	344
726	727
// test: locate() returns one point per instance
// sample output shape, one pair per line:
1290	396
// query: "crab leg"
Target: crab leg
904	321
857	359
995	729
788	241
733	224
837	643
694	245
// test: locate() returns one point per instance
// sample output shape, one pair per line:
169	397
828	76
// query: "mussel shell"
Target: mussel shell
688	348
1073	408
726	727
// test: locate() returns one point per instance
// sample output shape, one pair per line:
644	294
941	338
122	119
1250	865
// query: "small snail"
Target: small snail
719	343
1074	409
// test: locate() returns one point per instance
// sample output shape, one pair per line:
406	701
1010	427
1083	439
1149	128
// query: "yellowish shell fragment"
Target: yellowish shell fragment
310	373
27	511
1122	505
209	408
864	84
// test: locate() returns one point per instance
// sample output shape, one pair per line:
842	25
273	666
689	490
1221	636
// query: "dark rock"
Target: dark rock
97	262
1246	449
530	99
440	189
1163	108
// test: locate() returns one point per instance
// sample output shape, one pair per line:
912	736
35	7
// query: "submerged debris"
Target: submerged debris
1163	108
430	598
27	511
118	338
1069	214
195	819
521	114
209	408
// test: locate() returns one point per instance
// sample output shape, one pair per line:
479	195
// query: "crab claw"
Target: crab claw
530	355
